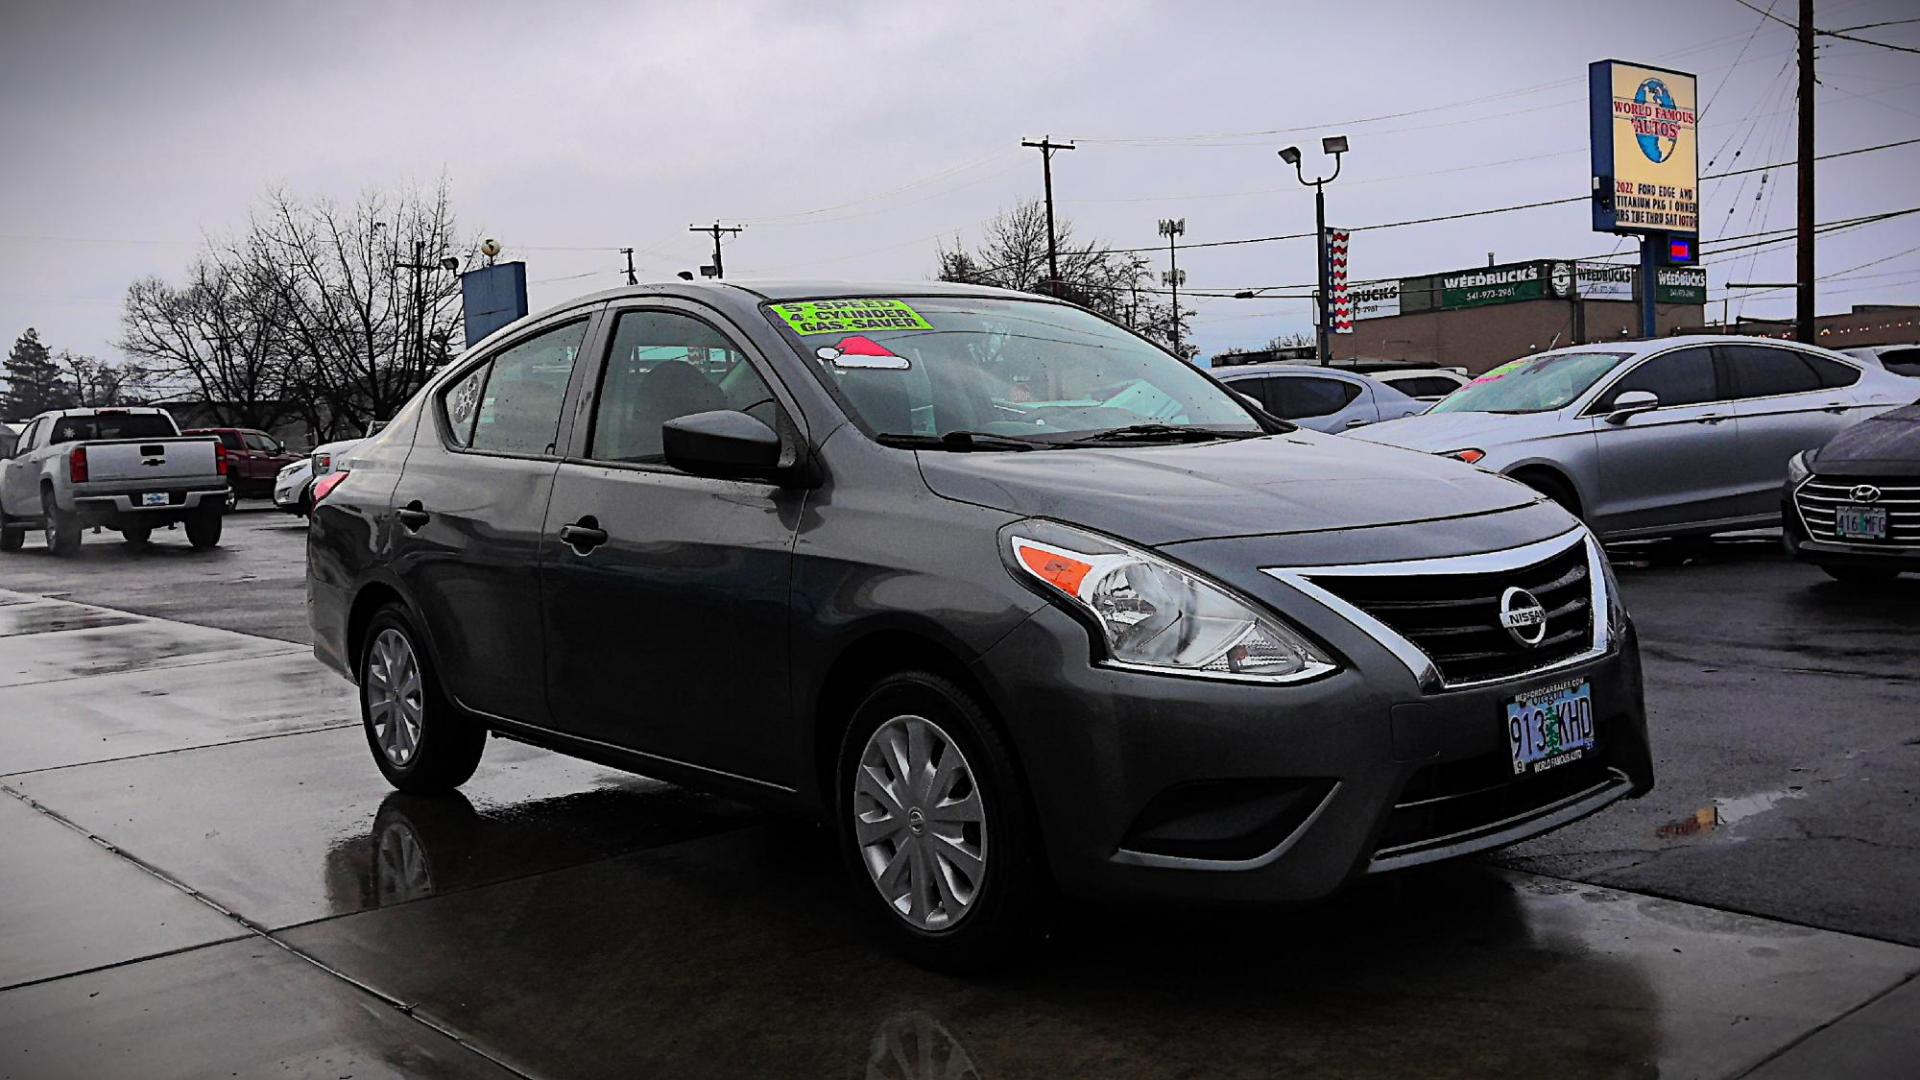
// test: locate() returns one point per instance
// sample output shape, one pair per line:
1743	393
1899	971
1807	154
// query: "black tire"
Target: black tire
11	535
1011	899
1553	488
203	528
60	529
447	745
137	535
306	500
1860	575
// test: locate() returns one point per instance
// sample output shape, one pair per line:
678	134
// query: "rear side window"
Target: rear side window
515	407
231	440
1425	386
1833	373
1762	371
661	366
1295	399
1902	362
1676	378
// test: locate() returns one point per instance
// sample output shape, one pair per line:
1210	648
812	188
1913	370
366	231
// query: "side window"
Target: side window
1296	399
259	442
462	402
519	409
1833	373
1676	378
1253	388
1763	371
30	438
232	440
663	365
1902	361
1425	386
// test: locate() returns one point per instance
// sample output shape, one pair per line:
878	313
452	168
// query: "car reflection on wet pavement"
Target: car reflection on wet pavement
204	876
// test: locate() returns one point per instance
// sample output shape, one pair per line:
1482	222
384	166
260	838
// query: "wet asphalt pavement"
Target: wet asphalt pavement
202	874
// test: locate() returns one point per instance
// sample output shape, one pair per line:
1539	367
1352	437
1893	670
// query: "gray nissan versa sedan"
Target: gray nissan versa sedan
1017	602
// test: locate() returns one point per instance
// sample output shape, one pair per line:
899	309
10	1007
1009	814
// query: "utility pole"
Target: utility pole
628	252
417	301
1803	313
719	269
1047	146
1173	229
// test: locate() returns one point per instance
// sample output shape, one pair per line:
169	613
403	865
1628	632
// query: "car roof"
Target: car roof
754	292
1283	368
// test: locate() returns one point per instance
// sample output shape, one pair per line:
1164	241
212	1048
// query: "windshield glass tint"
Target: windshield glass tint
931	366
1535	384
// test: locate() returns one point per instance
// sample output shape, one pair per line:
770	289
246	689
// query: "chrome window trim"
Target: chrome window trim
1417	662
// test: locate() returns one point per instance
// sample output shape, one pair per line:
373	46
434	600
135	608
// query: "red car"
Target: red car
254	458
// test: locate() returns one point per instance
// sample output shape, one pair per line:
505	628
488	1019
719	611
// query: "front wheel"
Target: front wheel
203	528
59	529
936	827
420	742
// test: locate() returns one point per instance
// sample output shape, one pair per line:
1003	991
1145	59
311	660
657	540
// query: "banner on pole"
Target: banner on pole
1342	305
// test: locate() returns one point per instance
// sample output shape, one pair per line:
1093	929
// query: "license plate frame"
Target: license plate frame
154	498
1855	522
1550	726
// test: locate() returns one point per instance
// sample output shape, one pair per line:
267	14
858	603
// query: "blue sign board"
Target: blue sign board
491	297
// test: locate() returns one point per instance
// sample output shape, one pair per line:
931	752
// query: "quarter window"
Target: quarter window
663	365
1902	361
1833	373
1763	371
512	405
1676	378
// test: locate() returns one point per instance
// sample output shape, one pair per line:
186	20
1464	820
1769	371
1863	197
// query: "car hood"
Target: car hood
1294	483
1892	438
1435	433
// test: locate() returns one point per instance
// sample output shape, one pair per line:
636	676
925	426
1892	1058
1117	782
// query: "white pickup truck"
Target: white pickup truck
128	469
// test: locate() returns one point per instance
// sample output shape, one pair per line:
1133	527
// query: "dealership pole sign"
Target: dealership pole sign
1646	149
1337	240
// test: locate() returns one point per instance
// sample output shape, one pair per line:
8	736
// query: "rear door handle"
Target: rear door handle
413	515
583	535
1834	407
1357	421
1711	418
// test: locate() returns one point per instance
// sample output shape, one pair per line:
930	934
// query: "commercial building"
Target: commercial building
1864	324
1484	316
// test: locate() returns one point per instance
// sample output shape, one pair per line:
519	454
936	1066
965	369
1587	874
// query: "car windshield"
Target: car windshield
1535	384
102	426
949	367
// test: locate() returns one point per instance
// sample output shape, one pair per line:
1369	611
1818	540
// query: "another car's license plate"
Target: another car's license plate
1550	726
1860	522
154	498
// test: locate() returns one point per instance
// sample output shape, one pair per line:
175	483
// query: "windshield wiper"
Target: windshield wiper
1164	433
962	442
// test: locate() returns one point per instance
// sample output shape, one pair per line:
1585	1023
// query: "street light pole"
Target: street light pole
1335	145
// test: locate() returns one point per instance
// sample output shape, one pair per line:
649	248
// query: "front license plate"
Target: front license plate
154	498
1860	522
1550	726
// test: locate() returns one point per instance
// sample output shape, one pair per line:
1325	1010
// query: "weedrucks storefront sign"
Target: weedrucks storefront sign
1493	285
1682	285
1602	281
1375	299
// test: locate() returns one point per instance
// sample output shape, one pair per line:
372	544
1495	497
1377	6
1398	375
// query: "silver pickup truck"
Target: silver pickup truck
128	469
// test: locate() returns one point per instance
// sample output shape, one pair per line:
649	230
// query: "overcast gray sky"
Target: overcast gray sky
848	137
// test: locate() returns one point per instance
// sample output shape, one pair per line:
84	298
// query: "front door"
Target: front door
1676	465
470	508
666	604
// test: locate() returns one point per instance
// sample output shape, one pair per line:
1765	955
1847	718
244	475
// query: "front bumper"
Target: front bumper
1802	546
1158	787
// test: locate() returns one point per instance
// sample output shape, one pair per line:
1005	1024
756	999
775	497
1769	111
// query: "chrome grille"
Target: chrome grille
1454	617
1817	498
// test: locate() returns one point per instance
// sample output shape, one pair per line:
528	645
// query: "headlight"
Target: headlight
1157	616
1798	467
1616	607
1470	455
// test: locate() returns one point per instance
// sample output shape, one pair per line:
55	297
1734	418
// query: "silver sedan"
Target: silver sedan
1321	398
1682	435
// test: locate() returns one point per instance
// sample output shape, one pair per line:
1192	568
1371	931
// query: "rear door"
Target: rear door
1319	402
470	507
1788	401
666	623
1675	465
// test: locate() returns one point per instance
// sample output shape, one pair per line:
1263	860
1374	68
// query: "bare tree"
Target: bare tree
1012	254
220	338
97	383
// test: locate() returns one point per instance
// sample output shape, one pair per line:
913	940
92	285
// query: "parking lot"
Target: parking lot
203	868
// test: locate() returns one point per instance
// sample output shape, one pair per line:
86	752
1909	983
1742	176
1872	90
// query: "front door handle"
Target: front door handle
413	515
1710	418
1356	421
583	535
1834	407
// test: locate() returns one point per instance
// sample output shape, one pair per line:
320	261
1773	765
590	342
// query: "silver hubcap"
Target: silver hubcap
395	703
919	823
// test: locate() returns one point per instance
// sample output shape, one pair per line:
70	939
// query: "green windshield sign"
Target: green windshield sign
861	315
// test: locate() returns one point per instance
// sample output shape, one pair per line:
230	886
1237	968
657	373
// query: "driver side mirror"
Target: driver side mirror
1632	403
724	444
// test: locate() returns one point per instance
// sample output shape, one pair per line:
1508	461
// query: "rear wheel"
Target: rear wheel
60	529
137	535
1860	575
420	742
935	825
11	534
203	528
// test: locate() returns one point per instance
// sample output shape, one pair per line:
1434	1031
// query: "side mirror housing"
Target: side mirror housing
724	444
1632	403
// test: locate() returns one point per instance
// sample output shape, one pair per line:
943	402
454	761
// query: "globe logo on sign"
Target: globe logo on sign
1657	147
